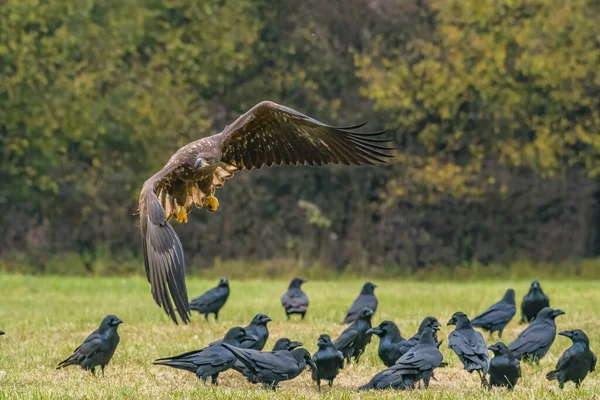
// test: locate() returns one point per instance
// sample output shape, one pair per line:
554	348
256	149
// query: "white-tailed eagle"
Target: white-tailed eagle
267	134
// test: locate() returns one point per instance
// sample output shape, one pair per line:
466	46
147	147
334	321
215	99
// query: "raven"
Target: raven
415	365
389	342
505	369
209	361
469	345
328	361
533	302
98	348
281	344
354	339
212	300
498	315
428	322
257	333
295	301
270	368
576	361
533	343
366	299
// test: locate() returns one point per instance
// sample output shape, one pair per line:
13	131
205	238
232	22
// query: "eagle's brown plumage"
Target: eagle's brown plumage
267	134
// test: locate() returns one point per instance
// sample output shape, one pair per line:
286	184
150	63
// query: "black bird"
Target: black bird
469	345
366	299
209	361
505	369
295	301
498	315
281	344
257	333
533	343
98	348
270	368
415	365
354	339
533	302
576	361
1	333
328	361
212	300
286	344
428	322
389	342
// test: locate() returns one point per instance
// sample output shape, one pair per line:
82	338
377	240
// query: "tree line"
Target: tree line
495	109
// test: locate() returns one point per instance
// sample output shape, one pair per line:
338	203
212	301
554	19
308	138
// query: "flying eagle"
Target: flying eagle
267	134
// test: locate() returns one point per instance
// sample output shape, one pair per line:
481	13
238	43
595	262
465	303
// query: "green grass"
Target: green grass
45	318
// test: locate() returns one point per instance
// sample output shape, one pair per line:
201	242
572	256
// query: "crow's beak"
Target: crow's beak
117	322
293	345
436	326
1	332
568	334
556	313
375	331
267	319
451	322
312	365
493	347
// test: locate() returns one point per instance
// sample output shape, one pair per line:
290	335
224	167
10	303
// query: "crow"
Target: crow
533	302
366	299
286	344
469	345
209	361
270	368
257	333
281	344
415	365
505	369
98	348
295	301
576	361
328	361
428	322
533	343
354	339
498	315
389	342
212	300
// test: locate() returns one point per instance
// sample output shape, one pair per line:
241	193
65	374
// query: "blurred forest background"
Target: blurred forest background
496	105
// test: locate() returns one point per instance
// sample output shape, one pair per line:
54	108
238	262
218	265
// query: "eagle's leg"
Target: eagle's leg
181	215
211	202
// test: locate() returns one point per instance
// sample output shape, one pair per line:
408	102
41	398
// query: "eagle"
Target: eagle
269	133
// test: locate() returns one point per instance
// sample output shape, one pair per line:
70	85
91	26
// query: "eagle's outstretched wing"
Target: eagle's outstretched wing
163	253
274	134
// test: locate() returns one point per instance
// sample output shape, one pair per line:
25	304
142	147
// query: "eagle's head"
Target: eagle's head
206	162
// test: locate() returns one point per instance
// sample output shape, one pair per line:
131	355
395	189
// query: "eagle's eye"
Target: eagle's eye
200	163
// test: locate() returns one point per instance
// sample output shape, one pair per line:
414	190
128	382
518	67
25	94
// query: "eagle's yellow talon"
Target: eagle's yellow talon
182	215
212	203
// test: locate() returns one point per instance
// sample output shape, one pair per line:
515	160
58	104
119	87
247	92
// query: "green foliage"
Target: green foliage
496	104
502	84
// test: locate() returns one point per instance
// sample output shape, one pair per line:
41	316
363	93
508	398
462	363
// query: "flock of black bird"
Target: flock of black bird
408	361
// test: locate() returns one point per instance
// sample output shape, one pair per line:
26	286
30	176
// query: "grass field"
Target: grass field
45	318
